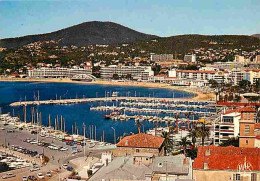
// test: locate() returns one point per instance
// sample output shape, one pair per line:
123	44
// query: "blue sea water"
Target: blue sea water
79	113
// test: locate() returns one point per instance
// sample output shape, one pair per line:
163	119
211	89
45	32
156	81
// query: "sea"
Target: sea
79	113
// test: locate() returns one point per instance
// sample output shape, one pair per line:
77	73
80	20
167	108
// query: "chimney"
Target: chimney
205	166
126	143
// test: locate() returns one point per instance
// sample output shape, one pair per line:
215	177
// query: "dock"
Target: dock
103	99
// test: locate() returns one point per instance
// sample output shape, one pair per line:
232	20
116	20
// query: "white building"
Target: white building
239	59
136	72
57	72
227	127
161	57
190	58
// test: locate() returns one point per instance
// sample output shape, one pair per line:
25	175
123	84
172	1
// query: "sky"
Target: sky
158	17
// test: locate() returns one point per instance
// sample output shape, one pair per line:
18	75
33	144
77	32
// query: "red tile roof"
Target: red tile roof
141	140
257	125
227	158
197	71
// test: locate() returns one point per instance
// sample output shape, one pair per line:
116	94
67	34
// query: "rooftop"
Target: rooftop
141	140
227	158
170	164
121	168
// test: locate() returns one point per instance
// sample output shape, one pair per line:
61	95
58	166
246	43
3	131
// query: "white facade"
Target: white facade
137	72
57	72
190	58
227	127
161	57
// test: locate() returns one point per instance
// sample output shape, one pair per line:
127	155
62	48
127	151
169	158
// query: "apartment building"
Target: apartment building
190	58
251	74
247	128
193	74
161	57
230	124
57	72
136	72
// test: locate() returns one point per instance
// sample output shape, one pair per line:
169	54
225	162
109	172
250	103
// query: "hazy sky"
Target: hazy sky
161	17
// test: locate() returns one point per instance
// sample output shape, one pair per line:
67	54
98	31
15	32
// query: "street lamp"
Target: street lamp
114	134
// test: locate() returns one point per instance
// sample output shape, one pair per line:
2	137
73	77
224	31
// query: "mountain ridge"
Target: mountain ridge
92	32
98	32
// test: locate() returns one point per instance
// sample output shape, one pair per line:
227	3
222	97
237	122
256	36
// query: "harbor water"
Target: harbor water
78	113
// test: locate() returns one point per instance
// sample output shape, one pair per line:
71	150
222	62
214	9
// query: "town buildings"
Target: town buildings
227	163
57	72
134	72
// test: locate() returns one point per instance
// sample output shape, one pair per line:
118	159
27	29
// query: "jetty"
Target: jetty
107	99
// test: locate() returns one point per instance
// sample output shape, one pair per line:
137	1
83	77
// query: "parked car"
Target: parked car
69	168
24	178
31	177
65	166
40	176
48	174
9	175
34	169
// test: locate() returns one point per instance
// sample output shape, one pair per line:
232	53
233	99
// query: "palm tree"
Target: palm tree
203	132
193	134
176	116
155	128
168	143
184	143
139	124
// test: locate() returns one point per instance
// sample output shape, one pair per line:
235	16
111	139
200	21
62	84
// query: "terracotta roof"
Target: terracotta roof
227	158
141	140
257	125
197	71
257	137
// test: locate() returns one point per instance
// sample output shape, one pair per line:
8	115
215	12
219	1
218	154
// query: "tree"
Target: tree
168	143
184	143
203	132
115	76
237	98
156	68
128	76
245	85
193	134
192	153
213	83
177	116
230	97
230	141
139	124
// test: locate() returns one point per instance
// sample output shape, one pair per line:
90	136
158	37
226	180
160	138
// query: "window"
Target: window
160	164
236	177
227	119
247	142
147	159
247	129
137	150
253	177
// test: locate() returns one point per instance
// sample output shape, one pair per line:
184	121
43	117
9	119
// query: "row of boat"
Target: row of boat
149	110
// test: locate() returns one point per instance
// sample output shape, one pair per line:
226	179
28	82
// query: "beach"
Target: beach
199	94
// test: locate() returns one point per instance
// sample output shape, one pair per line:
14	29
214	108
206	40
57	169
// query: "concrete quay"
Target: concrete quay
100	99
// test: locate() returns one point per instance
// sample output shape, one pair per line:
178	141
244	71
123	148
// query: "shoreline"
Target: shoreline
198	95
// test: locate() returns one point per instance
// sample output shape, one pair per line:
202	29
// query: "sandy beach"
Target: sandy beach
199	95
